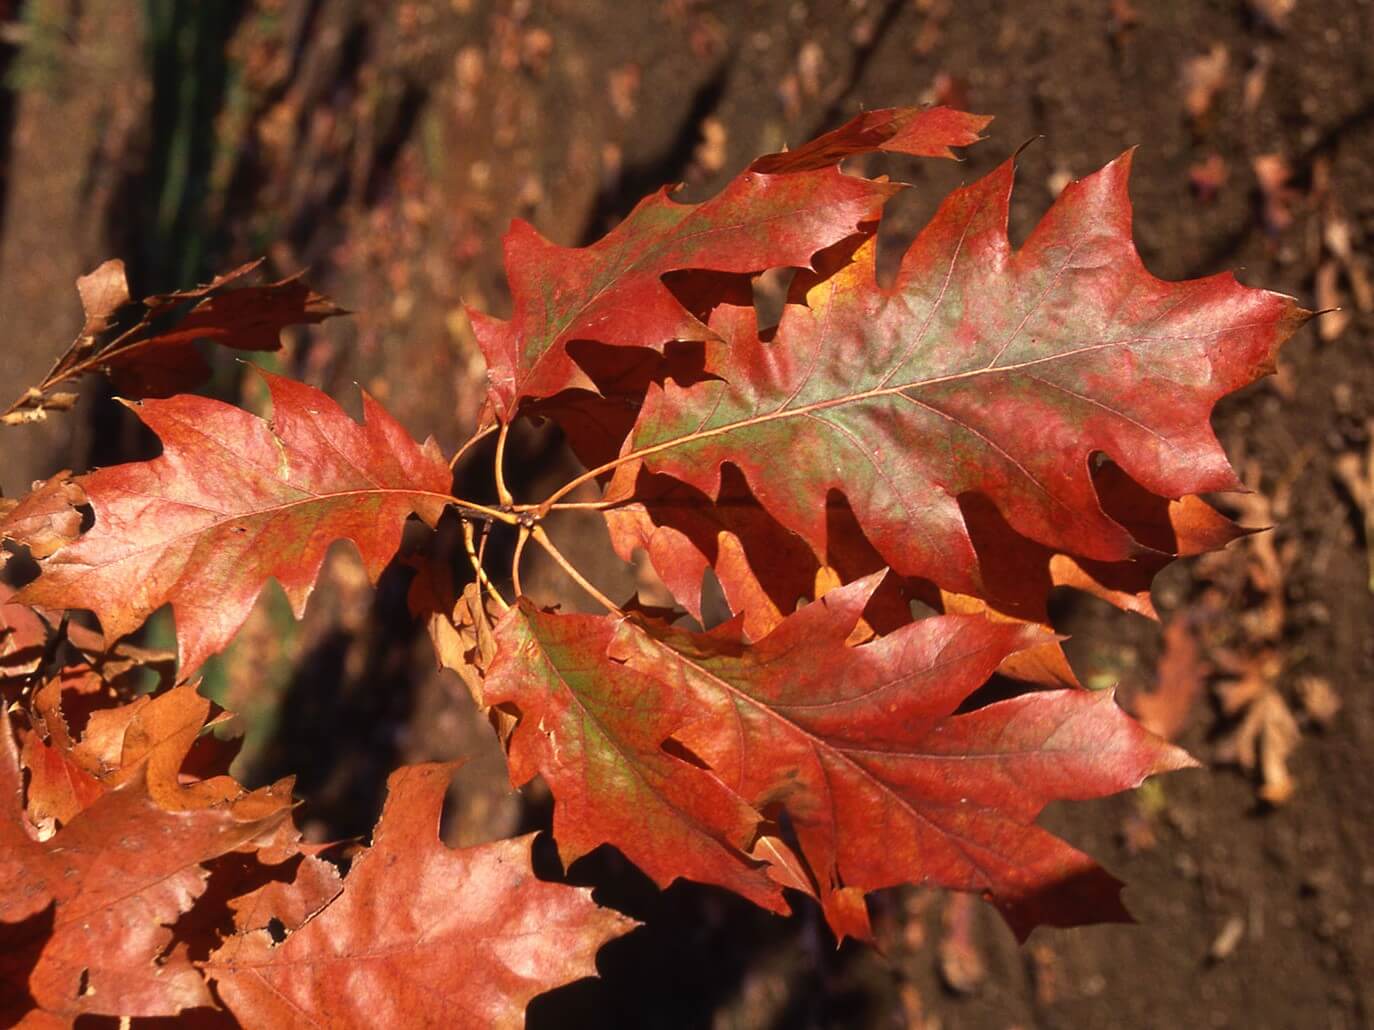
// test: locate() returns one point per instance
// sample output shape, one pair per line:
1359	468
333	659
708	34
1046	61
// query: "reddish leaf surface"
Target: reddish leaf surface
234	500
594	729
420	935
150	739
765	569
59	787
881	780
47	519
247	318
23	637
778	213
982	371
315	885
684	533
117	876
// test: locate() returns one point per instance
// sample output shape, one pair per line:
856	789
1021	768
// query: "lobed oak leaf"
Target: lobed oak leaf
778	213
232	501
764	569
595	729
667	743
420	935
980	372
882	778
928	132
115	878
150	363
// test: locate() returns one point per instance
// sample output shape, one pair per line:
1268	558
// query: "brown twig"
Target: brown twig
569	506
542	538
520	543
481	512
472	441
475	556
502	491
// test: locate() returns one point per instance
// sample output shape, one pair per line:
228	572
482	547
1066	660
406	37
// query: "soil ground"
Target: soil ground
386	146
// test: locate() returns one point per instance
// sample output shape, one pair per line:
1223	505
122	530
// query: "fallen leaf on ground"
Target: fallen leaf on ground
1208	176
1266	734
1180	679
1203	77
1272	173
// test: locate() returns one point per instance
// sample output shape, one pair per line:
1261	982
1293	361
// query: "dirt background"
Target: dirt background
386	146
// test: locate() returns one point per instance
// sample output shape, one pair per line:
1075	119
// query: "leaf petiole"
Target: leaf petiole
502	491
472	441
540	537
475	557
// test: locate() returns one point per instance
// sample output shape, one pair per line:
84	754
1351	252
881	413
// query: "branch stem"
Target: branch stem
554	500
472	509
502	491
542	538
472	441
570	506
475	556
520	542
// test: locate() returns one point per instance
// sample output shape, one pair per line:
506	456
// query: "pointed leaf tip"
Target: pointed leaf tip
232	501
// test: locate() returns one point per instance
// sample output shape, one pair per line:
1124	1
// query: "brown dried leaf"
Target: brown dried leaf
1203	77
1267	733
1208	176
1272	173
102	292
1319	699
1181	676
1334	319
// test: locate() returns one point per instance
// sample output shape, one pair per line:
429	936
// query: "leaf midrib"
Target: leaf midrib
819	745
167	542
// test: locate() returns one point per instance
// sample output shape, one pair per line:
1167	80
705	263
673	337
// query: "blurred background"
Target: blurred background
384	146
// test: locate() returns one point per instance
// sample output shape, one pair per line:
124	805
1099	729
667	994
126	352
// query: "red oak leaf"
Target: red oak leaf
155	360
116	877
665	743
595	729
250	318
232	501
982	371
778	213
420	935
880	778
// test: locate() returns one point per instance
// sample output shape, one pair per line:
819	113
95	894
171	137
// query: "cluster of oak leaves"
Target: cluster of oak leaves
992	424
